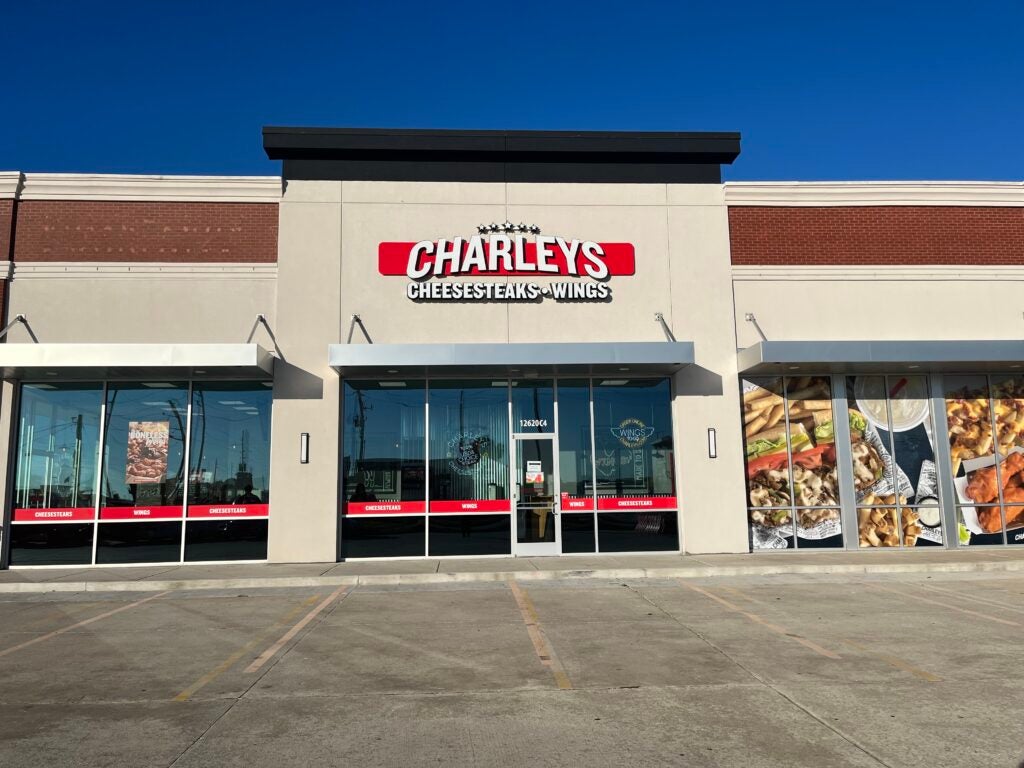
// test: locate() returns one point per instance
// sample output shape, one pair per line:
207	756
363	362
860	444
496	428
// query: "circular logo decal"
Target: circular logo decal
466	450
632	433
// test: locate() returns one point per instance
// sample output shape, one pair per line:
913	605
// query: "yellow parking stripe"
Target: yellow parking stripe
84	623
268	654
541	646
766	624
225	665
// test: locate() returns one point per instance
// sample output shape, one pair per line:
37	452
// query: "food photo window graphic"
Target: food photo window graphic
792	482
892	454
985	418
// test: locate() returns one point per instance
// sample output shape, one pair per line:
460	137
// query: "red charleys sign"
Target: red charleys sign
502	254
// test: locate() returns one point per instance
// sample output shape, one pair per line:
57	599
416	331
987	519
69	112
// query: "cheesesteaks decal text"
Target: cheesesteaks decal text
507	250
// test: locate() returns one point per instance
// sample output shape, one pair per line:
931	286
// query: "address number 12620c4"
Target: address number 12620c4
533	422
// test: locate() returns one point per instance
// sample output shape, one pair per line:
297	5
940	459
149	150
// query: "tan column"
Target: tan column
707	395
304	497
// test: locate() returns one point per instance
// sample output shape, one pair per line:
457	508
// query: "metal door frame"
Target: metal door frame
543	549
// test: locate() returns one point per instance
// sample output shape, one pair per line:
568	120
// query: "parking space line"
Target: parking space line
986	602
541	646
79	624
268	654
765	623
941	604
225	665
895	661
742	595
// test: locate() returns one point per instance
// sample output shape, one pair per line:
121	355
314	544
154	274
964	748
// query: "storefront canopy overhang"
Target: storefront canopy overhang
515	360
112	361
787	357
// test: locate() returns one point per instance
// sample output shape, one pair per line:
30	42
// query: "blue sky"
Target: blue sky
896	90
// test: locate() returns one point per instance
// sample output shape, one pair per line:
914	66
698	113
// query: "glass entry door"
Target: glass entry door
536	504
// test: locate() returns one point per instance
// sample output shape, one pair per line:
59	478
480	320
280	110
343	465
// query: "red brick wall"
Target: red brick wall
77	230
6	220
876	235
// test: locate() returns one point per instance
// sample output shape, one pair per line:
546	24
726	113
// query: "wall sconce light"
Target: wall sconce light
304	448
712	443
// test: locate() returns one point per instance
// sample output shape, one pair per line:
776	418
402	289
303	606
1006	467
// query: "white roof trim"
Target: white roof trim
125	187
27	360
138	269
10	184
862	193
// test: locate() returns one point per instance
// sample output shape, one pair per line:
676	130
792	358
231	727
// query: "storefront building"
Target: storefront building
450	344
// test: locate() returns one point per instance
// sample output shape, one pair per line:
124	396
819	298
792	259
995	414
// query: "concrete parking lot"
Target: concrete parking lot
875	670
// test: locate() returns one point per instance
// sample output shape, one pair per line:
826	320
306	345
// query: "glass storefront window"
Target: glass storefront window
384	442
58	439
469	427
401	536
533	405
143	485
229	459
633	440
469	451
464	535
55	474
144	451
575	458
229	471
985	417
792	479
893	461
633	454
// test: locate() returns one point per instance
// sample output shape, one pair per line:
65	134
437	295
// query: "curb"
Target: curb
605	574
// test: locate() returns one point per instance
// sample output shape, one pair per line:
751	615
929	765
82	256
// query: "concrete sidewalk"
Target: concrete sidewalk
441	571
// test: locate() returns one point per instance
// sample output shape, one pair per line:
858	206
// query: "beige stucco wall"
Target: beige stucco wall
890	303
329	235
304	497
112	303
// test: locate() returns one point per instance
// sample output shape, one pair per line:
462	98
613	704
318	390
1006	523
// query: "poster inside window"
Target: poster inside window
985	417
892	449
792	481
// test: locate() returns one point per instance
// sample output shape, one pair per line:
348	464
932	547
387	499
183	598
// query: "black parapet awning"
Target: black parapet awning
391	154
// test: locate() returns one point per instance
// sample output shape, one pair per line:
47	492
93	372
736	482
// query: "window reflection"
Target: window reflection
229	459
383	441
144	446
633	438
58	439
469	433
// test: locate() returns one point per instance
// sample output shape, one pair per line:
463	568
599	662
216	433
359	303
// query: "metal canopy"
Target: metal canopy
44	361
781	357
414	360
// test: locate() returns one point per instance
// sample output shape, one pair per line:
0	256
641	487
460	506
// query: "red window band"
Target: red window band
54	515
140	513
634	503
228	510
470	506
577	505
393	259
385	507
